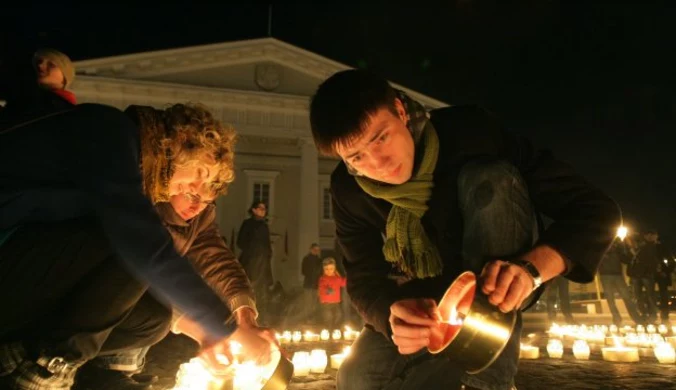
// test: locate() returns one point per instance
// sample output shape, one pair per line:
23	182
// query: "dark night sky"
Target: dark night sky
594	83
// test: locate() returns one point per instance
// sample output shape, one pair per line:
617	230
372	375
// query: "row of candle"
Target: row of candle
316	361
297	336
664	352
587	332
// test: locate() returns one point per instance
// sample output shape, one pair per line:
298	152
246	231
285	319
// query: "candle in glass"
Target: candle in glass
651	328
338	358
662	329
665	353
301	363
555	348
613	329
581	350
297	336
324	335
318	361
336	334
620	353
529	352
640	329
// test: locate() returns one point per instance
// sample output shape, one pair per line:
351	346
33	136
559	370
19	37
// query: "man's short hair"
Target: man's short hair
341	108
314	245
329	261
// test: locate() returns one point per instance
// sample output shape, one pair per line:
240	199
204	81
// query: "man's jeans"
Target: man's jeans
644	290
131	361
615	284
499	221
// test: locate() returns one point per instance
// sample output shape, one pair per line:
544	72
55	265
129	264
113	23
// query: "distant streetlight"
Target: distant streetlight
622	232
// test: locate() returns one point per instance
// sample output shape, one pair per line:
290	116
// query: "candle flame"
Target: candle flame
455	318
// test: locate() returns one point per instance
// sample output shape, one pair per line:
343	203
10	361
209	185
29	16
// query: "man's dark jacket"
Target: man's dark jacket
585	218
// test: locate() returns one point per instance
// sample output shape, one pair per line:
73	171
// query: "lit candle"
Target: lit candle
613	329
671	340
297	336
555	348
286	337
248	376
662	329
665	353
338	358
640	329
651	328
324	335
310	336
620	353
318	361
529	352
336	334
349	334
581	350
301	363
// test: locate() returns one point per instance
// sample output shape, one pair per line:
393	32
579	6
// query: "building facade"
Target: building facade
262	87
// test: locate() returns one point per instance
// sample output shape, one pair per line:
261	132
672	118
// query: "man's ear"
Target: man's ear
401	111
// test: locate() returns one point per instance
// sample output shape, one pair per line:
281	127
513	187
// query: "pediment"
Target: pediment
265	65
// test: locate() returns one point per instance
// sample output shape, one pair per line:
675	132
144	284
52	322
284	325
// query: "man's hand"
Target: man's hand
412	321
508	285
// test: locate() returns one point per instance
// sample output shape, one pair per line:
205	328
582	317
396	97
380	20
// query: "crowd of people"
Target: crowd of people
108	238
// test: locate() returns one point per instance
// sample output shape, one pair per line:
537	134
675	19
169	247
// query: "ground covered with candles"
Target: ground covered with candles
571	371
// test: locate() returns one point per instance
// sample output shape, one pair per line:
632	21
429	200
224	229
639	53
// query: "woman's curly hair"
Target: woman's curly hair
196	137
183	135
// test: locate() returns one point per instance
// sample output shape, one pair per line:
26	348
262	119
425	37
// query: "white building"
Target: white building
262	87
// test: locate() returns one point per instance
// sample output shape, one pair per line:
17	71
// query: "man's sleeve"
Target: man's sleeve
370	290
585	218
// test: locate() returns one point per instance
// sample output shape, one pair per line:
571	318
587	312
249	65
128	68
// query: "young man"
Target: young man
449	192
80	242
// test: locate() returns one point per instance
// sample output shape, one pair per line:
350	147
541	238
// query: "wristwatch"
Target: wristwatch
531	270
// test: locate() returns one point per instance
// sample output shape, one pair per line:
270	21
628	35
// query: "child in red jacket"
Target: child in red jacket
329	294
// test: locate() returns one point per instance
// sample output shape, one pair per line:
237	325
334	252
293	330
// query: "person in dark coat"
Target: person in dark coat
421	197
256	256
36	85
642	273
665	267
612	280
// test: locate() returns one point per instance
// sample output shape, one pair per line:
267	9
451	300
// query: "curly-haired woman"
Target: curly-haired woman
80	241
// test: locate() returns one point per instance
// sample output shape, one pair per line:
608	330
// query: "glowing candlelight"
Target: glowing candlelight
613	329
529	352
324	335
286	337
297	336
310	336
301	363
651	328
640	329
318	361
455	318
662	329
555	348
338	358
581	350
336	334
195	375
665	353
620	353
350	334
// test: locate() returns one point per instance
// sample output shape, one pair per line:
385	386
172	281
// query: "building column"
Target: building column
308	198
